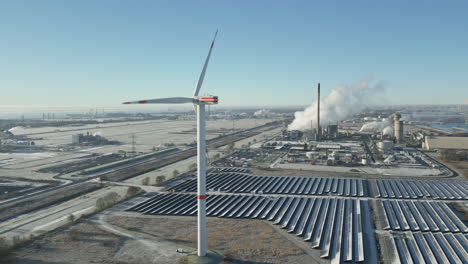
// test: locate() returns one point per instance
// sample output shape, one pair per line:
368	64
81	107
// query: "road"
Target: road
49	218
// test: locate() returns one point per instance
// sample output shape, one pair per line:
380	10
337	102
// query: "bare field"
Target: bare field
462	209
237	240
86	242
460	166
81	243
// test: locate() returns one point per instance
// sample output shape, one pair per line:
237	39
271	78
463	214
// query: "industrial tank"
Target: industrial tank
385	145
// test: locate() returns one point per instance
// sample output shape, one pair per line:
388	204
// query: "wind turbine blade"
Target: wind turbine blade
170	100
202	75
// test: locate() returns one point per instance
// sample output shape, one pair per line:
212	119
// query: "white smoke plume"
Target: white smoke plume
385	125
13	129
262	112
343	102
388	131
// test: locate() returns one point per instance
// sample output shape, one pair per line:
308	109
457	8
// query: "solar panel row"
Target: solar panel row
422	216
245	183
413	189
427	247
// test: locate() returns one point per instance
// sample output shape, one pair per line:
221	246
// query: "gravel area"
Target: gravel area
81	243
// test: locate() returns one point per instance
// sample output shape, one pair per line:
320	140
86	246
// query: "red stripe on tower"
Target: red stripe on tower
201	197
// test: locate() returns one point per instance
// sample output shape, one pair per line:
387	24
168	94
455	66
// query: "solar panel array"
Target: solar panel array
422	216
330	219
414	189
333	225
245	183
430	247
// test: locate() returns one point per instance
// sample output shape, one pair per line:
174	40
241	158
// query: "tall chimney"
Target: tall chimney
319	132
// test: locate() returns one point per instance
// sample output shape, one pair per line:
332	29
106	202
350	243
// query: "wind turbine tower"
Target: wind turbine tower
199	103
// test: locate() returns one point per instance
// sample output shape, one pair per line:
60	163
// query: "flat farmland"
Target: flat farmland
148	134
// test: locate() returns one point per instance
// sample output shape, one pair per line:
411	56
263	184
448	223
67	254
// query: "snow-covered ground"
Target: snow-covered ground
148	134
16	157
367	170
403	171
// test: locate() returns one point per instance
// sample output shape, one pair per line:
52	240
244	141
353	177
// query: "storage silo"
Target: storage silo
398	128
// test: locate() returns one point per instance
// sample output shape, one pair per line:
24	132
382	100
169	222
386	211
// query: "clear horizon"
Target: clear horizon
34	112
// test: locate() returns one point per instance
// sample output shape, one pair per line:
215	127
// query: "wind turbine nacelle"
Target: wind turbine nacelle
208	99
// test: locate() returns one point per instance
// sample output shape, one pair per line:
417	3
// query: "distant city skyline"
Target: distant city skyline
268	53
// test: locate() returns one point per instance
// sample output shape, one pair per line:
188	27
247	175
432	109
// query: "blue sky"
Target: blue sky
267	53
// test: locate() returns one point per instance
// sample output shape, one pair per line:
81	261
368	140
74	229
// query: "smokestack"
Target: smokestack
318	111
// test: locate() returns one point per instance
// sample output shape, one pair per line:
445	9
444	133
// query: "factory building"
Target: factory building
91	139
76	138
332	130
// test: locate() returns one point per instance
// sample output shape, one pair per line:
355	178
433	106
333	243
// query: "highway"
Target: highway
44	220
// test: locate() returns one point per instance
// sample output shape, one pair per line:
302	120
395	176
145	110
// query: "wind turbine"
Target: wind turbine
199	103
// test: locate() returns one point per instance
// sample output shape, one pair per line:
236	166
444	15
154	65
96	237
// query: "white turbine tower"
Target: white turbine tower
199	103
